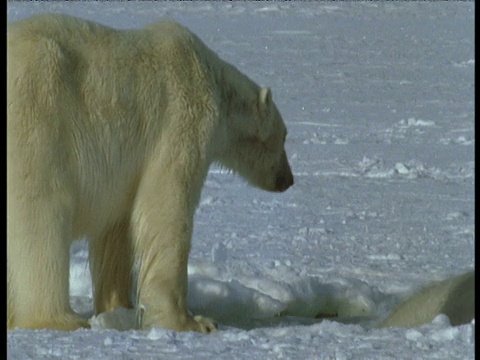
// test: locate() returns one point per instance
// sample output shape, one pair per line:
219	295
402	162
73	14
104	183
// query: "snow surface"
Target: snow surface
378	99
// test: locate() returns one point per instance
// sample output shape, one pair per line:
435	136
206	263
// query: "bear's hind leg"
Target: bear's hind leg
162	228
38	266
111	267
10	301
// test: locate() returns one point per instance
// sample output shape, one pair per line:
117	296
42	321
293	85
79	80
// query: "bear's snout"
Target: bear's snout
284	177
283	182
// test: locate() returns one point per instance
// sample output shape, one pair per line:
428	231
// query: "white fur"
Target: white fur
454	297
110	134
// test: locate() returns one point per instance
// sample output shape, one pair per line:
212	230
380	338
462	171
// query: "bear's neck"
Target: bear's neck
238	93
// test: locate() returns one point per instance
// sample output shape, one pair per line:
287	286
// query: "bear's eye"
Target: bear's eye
271	143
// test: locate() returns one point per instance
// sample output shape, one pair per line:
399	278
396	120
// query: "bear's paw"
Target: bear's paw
203	324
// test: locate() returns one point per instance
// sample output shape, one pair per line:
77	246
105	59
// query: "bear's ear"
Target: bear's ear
264	100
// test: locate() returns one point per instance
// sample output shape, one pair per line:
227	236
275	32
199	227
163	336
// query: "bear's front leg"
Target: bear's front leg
111	267
162	226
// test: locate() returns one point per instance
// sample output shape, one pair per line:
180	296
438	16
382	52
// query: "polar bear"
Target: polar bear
110	134
454	297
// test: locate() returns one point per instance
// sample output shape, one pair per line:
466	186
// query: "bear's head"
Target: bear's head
255	149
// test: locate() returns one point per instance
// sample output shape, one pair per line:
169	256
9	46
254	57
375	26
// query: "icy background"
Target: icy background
379	102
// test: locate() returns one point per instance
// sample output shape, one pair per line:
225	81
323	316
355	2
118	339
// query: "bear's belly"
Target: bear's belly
96	211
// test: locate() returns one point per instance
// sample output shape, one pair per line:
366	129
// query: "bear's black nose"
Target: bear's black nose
283	182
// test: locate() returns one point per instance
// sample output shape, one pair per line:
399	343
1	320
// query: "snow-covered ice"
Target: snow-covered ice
378	99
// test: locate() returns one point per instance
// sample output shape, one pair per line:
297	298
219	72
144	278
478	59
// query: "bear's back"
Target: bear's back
162	42
69	32
65	28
